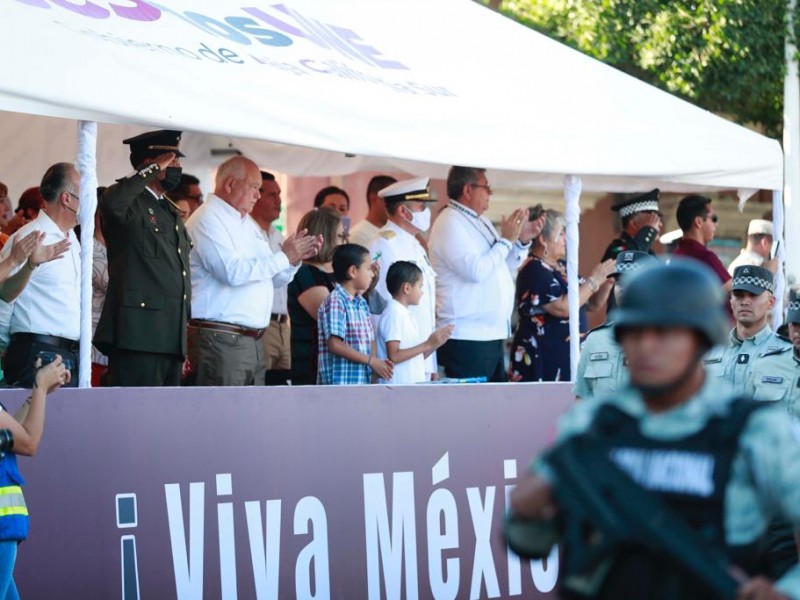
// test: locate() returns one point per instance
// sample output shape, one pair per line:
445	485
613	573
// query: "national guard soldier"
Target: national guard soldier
696	472
602	369
776	374
142	328
407	204
751	300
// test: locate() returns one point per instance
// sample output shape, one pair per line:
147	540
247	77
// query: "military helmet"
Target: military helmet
682	293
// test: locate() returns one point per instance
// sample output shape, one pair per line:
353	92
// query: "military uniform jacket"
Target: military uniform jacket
148	302
602	369
736	360
776	377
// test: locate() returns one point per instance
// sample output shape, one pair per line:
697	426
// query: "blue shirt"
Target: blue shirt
346	317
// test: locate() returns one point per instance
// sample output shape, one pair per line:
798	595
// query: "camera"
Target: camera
47	357
6	442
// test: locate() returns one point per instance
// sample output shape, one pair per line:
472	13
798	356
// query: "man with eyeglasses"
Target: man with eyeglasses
475	267
698	221
189	190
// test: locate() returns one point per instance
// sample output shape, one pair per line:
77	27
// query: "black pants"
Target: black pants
22	352
467	358
127	368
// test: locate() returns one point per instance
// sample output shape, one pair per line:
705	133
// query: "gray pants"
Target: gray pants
221	358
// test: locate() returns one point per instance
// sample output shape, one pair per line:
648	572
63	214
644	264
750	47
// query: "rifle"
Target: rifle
600	498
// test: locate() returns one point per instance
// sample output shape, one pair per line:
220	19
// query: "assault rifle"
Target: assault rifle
607	511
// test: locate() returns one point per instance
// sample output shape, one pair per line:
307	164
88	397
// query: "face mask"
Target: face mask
172	178
422	220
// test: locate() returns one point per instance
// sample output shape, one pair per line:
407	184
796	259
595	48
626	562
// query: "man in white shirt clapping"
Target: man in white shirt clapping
233	274
475	267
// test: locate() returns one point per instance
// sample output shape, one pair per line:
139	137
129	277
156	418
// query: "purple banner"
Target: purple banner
363	492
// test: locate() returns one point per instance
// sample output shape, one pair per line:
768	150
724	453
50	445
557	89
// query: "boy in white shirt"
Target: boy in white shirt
399	339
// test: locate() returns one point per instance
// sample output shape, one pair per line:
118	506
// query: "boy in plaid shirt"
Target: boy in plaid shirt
346	340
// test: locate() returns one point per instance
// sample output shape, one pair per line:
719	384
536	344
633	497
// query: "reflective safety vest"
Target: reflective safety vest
13	511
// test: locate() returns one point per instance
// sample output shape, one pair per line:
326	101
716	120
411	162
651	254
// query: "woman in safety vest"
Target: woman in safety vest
20	434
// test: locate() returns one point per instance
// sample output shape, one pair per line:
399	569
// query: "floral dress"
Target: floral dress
540	350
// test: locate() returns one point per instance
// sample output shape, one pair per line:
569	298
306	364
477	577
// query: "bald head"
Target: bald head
238	182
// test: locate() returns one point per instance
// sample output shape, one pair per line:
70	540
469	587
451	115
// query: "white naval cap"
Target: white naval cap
418	190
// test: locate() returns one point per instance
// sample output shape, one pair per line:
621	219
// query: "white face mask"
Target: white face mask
422	219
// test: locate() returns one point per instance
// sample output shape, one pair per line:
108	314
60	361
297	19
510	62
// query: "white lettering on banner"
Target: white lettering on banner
227	546
391	545
483	565
675	471
265	555
442	522
188	567
310	510
387	549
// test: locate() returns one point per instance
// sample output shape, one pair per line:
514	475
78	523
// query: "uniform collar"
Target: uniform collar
757	339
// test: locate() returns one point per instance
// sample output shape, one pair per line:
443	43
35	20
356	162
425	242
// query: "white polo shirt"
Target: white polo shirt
397	324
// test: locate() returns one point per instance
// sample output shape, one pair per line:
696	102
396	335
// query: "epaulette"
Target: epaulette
387	234
775	351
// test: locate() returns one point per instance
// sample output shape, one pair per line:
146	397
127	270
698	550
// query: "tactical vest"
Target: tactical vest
13	511
691	476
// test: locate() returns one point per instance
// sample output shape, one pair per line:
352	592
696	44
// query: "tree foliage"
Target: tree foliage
724	55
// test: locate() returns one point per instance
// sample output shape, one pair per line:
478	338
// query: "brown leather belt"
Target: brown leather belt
227	328
279	318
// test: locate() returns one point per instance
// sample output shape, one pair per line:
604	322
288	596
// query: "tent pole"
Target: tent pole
791	146
87	166
572	195
780	277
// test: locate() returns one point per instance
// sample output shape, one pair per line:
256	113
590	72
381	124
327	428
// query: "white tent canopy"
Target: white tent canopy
330	88
412	84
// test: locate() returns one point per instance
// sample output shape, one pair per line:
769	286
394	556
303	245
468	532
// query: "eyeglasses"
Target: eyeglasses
74	196
488	188
714	218
197	198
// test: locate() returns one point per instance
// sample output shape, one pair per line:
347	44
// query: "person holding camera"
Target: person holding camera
21	434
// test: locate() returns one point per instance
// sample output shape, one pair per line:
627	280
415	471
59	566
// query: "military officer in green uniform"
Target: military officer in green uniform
602	369
751	300
142	328
725	468
776	374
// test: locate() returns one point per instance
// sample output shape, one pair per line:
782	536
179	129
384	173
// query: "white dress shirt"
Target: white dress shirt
397	324
475	269
281	298
363	234
394	243
233	268
51	302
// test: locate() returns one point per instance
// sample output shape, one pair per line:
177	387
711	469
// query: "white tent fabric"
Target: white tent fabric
314	87
408	83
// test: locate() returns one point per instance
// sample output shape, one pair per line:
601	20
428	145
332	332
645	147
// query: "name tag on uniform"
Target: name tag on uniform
743	359
771	379
598	356
712	361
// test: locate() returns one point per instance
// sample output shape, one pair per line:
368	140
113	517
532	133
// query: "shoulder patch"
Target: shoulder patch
388	234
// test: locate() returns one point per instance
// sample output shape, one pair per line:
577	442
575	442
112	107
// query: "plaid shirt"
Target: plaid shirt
346	317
